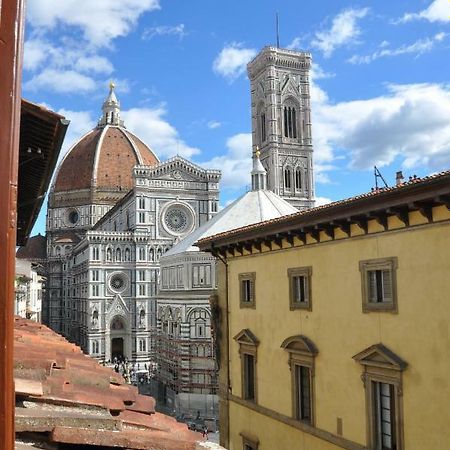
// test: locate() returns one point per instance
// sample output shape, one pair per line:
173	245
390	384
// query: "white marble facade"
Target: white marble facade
109	277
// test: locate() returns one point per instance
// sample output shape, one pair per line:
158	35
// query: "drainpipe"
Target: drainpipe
227	332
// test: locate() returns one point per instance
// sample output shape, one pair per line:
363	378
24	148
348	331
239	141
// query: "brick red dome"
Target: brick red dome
103	159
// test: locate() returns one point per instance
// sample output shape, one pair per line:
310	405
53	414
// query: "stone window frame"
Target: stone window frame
389	263
248	345
249	442
307	273
382	365
302	352
251	277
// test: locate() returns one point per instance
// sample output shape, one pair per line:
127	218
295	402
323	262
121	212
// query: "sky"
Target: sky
380	80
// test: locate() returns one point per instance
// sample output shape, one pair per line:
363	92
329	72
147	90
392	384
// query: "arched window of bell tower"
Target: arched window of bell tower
287	178
262	123
298	178
290	118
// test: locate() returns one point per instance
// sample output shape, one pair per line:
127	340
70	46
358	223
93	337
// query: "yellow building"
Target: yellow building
333	324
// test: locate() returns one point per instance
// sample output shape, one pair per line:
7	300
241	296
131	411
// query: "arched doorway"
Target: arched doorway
117	334
117	349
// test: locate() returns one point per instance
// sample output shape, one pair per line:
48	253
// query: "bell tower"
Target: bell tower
281	122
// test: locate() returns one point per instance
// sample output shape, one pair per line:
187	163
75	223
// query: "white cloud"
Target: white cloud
296	44
322	201
437	11
62	63
410	122
101	21
150	125
213	124
232	60
417	48
94	63
236	163
344	30
61	81
165	30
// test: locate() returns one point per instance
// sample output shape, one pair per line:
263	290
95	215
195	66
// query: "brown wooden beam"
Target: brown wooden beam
425	208
344	225
11	50
381	217
361	222
301	234
444	200
401	212
289	236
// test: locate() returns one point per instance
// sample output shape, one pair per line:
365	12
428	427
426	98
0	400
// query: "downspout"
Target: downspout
227	312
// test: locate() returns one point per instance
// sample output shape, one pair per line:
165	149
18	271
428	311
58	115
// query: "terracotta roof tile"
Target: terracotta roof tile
103	158
413	181
35	248
70	398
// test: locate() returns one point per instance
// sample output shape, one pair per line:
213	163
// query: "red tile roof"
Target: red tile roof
35	249
104	158
68	397
443	178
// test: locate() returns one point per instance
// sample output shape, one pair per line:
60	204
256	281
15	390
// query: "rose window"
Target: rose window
117	282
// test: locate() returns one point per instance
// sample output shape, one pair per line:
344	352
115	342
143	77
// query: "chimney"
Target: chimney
399	178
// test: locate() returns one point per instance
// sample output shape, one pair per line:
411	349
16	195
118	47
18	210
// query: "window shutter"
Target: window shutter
372	286
387	286
252	290
305	289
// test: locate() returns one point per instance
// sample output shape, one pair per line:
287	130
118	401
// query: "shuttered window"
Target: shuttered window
247	290
300	287
380	286
378	279
384	415
303	393
249	377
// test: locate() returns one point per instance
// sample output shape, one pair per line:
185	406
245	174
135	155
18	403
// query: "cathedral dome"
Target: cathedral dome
104	158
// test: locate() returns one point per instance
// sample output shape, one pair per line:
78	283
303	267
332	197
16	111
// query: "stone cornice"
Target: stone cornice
288	59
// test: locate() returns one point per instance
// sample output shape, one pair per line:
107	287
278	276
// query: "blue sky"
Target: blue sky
380	81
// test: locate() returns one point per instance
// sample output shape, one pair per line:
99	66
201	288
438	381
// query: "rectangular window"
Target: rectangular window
300	288
249	377
141	275
379	285
378	280
247	290
302	393
384	416
95	275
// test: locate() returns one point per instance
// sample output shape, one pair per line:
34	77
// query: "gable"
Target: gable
299	344
289	88
178	169
118	307
246	337
379	355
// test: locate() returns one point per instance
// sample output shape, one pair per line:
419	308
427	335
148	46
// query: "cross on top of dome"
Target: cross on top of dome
111	109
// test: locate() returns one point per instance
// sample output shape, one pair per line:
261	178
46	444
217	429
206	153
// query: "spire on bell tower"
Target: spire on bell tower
111	109
259	174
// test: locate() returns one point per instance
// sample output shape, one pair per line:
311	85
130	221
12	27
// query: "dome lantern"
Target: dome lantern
111	109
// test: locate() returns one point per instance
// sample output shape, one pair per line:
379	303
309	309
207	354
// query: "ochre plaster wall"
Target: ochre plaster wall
418	333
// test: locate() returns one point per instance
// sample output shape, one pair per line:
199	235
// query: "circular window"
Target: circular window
118	282
176	220
73	217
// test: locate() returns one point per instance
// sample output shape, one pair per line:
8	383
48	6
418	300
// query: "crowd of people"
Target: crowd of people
133	373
